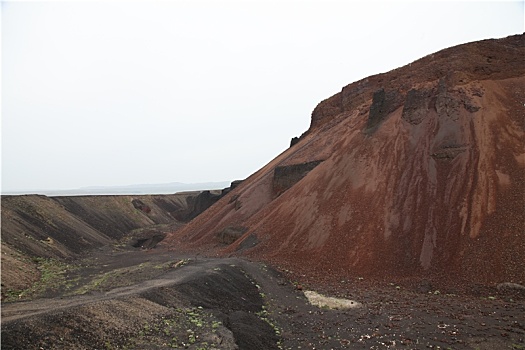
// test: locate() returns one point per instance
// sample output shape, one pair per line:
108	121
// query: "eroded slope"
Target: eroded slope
38	227
421	173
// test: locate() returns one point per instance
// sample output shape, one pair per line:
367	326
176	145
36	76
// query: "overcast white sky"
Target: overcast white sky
118	93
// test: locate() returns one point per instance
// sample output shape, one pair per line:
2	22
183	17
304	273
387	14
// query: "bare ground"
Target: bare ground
159	299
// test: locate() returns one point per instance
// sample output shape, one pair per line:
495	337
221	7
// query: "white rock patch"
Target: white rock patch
320	300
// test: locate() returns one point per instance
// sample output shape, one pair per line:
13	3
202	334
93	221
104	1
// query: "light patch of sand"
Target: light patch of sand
504	179
322	301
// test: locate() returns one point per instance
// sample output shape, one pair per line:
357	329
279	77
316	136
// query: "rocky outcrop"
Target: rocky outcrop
418	102
233	185
286	176
195	205
148	239
383	103
462	64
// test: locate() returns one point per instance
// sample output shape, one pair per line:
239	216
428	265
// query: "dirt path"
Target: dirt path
162	300
194	303
14	311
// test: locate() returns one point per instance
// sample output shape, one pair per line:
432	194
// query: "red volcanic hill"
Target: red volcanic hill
416	172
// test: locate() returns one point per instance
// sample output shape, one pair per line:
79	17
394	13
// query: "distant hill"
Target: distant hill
166	188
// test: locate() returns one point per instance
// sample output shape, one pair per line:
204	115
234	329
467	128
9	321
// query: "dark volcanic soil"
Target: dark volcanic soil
162	300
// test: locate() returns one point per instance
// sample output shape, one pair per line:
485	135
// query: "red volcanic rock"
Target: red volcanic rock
422	173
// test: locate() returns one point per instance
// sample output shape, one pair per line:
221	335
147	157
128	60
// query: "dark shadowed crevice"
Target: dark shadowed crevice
284	177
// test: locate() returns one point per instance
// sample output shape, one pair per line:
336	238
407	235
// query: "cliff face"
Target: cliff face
420	172
482	60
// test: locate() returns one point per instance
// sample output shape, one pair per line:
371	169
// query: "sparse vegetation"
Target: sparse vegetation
52	278
183	328
126	276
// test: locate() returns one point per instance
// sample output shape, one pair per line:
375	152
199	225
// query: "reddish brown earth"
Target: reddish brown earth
406	191
421	179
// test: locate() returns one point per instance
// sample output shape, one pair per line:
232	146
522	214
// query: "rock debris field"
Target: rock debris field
162	300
